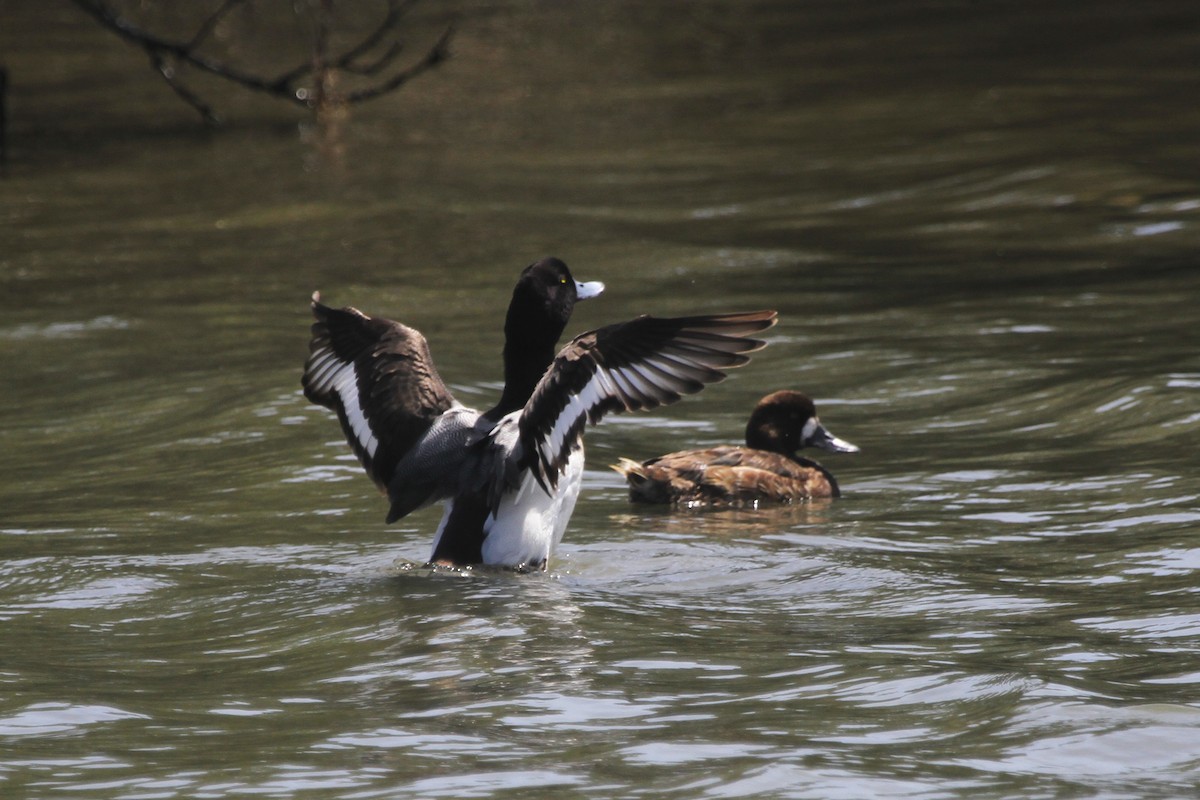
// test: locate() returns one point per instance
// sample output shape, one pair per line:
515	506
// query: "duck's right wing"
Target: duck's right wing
641	364
379	378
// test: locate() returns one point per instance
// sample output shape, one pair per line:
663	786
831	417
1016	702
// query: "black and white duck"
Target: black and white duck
509	476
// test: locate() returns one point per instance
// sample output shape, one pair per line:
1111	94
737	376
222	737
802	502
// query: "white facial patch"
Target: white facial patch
810	427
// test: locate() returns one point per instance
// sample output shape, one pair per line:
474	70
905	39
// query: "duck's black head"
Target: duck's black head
542	302
786	421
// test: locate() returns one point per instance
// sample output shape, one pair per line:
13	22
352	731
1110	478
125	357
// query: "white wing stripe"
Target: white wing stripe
685	368
619	372
660	382
606	388
576	408
680	369
562	425
344	382
644	390
625	391
677	378
322	366
606	385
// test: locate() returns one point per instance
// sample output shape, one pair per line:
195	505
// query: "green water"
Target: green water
979	224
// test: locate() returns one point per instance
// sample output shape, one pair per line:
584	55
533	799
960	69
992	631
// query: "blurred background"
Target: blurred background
979	223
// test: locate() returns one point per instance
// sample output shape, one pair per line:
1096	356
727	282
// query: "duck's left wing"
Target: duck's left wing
636	365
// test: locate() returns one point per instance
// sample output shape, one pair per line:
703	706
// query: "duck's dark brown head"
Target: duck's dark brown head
786	421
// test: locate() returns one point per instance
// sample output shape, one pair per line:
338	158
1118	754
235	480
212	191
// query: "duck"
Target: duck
508	477
767	469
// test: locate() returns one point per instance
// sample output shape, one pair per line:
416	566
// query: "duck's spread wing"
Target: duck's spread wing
632	366
379	378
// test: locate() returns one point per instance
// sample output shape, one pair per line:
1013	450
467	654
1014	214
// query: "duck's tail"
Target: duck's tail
630	470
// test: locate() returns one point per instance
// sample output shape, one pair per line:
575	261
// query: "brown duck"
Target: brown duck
766	470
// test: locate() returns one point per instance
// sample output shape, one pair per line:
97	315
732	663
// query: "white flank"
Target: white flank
447	509
529	524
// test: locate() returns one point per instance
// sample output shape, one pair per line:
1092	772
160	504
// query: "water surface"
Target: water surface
979	225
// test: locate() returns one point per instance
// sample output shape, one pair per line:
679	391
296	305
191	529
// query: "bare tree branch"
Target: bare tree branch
211	23
376	66
396	9
309	84
187	95
436	55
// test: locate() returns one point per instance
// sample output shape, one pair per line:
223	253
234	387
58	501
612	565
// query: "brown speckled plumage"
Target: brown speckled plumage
764	470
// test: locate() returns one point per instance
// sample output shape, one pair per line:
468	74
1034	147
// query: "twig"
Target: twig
436	55
211	23
187	95
376	66
391	19
154	44
167	56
